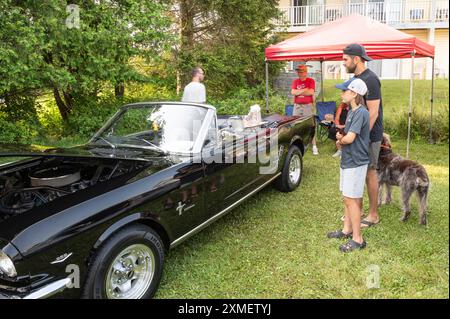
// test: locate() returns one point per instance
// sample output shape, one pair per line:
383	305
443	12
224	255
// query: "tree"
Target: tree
228	38
20	62
75	48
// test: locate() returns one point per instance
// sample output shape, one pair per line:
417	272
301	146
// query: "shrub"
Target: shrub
240	101
17	132
88	118
137	92
397	125
18	118
52	125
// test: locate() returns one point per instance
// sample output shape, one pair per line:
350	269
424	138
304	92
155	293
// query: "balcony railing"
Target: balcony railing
390	12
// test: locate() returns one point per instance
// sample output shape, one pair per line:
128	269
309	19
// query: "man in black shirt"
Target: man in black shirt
354	61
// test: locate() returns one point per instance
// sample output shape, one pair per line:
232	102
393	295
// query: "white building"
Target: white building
428	20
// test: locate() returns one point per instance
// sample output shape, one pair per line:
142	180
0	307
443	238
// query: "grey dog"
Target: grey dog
409	175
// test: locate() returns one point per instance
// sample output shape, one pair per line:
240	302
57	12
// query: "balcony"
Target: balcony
397	13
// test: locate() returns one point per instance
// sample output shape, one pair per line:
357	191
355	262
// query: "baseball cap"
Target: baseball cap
302	68
354	84
358	50
344	86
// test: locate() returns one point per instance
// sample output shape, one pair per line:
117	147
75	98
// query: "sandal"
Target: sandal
365	223
352	245
343	217
339	234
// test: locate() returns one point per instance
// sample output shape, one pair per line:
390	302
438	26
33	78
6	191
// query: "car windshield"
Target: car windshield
165	127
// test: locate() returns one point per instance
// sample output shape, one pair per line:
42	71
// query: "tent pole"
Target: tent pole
267	86
410	103
431	103
321	80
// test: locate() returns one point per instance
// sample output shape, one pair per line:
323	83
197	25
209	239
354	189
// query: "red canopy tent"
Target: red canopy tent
326	42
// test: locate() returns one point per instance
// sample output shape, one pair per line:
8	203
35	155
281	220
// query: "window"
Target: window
211	136
416	14
298	3
442	14
332	14
173	128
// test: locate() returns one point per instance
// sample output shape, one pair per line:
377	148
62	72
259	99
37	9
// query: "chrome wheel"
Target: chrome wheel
131	273
294	169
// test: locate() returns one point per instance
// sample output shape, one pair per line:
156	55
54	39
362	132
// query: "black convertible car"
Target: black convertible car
95	221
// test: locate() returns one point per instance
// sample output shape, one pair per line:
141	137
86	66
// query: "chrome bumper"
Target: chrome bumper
44	292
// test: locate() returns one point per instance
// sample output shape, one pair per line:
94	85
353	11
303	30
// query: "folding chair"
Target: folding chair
323	125
289	109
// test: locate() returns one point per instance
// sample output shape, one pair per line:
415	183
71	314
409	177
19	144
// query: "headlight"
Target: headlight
6	265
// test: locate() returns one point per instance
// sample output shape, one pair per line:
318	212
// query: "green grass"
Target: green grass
275	246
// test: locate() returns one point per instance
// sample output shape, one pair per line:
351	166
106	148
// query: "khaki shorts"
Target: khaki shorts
374	153
303	110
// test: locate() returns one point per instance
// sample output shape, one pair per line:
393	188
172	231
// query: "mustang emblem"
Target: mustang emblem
61	258
180	208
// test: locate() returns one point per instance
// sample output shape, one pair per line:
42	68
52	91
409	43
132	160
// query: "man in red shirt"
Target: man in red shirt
303	91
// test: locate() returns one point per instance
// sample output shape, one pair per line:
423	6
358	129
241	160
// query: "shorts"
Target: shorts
374	153
303	110
352	181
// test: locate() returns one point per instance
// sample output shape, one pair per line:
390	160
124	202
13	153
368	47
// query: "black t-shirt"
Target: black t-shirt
373	93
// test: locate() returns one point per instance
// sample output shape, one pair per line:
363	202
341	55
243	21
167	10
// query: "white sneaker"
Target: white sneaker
315	150
338	153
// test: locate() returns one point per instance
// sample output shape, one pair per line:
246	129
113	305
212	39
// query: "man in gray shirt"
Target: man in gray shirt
195	91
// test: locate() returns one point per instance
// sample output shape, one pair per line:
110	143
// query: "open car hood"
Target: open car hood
87	150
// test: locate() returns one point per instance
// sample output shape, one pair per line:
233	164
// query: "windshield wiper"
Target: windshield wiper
106	141
154	146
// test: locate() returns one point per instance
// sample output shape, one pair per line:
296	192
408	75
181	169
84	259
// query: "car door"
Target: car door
231	172
183	206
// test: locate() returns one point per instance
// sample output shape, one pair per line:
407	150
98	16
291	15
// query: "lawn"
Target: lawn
275	246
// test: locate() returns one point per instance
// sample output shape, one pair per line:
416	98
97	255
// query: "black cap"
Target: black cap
358	50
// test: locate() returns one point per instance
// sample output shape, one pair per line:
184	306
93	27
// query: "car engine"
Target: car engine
37	183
